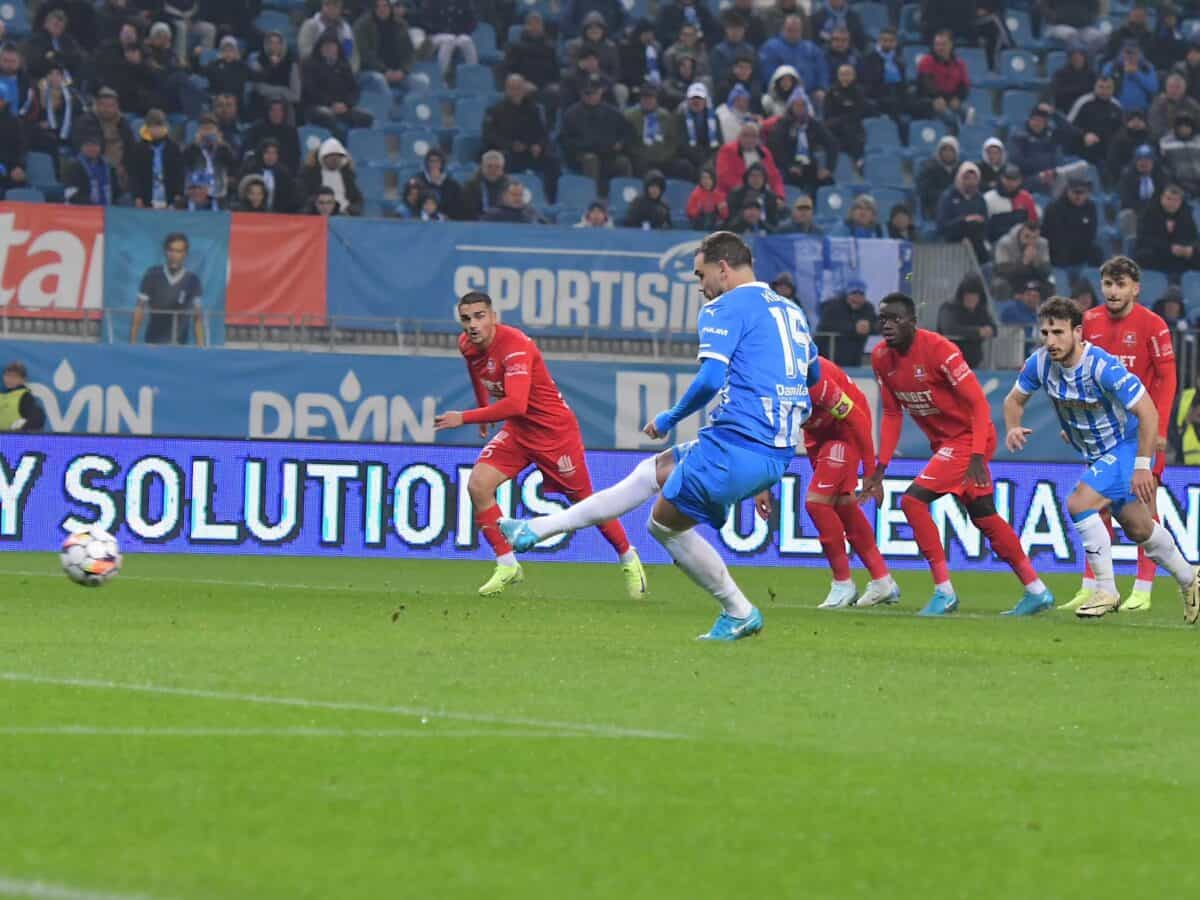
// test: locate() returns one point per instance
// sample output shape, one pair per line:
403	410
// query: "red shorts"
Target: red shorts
946	472
562	464
835	469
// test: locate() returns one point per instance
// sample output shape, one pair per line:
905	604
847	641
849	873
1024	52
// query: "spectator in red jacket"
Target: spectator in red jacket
707	208
943	82
735	157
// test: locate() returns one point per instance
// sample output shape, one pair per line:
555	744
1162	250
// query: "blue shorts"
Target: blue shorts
1109	476
714	472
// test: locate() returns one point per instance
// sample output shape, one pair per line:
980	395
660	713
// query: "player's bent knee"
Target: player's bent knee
481	490
660	532
981	508
911	503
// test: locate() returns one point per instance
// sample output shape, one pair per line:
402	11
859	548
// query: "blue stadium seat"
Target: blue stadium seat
421	110
1015	107
1018	69
976	62
576	190
468	114
971	139
371	181
844	171
467	149
378	105
24	195
874	16
1020	26
910	23
415	143
1154	285
833	203
923	137
15	18
885	170
484	37
1191	293
1055	60
912	54
886	198
274	20
474	80
311	137
621	192
368	146
677	195
425	77
533	188
982	99
39	169
882	135
207	56
569	215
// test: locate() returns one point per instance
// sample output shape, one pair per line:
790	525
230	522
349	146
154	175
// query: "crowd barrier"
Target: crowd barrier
71	262
282	395
411	502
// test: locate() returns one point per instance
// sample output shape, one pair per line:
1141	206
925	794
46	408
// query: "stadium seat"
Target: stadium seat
468	114
39	169
15	18
622	192
421	110
425	77
1018	69
677	195
1020	26
971	139
467	149
378	105
976	62
910	23
874	16
415	143
923	137
1015	107
533	189
471	80
886	198
24	195
982	100
882	135
1191	293
912	54
1055	60
833	203
885	170
368	146
311	137
844	171
275	20
1154	285
372	182
484	37
576	190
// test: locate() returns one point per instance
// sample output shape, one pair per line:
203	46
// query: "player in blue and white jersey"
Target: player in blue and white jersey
757	355
1110	418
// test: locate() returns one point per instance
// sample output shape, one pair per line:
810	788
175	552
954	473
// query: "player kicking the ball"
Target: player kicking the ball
924	373
539	429
837	437
757	354
1110	418
1142	342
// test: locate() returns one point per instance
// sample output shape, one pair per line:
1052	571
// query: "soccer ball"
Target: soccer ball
91	557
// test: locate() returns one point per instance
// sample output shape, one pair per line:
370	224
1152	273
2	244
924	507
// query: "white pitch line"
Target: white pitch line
374	733
44	890
589	728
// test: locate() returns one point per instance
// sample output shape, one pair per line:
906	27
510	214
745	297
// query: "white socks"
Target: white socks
1161	548
506	559
1098	546
701	562
635	489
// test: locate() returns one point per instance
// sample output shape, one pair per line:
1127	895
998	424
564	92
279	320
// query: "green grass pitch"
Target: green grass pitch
301	728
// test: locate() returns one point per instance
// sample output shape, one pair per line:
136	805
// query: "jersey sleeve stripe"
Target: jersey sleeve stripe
712	354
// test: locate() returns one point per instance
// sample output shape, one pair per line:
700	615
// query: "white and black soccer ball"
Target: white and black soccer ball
91	557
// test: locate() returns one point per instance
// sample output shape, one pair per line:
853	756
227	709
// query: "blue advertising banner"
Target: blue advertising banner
411	502
133	244
606	280
277	395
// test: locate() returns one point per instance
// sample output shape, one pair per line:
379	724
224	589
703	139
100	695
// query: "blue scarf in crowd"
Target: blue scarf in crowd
651	131
693	129
158	196
653	69
834	20
891	65
99	185
62	128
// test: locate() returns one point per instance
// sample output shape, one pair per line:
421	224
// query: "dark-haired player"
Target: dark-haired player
539	429
924	373
756	352
1110	418
1142	342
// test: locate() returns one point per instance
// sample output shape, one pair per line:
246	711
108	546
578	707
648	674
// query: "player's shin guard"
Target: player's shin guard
833	538
488	523
1163	550
701	563
1106	516
862	538
1098	546
1005	544
928	539
631	492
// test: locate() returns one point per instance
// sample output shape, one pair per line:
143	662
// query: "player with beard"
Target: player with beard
924	373
539	429
1110	418
1142	342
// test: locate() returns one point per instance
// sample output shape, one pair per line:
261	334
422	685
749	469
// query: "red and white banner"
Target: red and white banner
51	260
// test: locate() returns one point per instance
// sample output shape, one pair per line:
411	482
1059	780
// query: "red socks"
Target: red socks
928	539
488	522
832	537
1007	546
862	538
614	533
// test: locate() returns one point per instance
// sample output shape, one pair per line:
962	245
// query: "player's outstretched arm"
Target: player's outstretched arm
1015	435
703	388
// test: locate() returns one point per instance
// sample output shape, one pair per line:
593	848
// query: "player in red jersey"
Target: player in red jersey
1142	341
837	438
924	373
539	429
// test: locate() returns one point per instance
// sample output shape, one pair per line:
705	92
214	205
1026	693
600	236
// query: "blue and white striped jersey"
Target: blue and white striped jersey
1093	399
